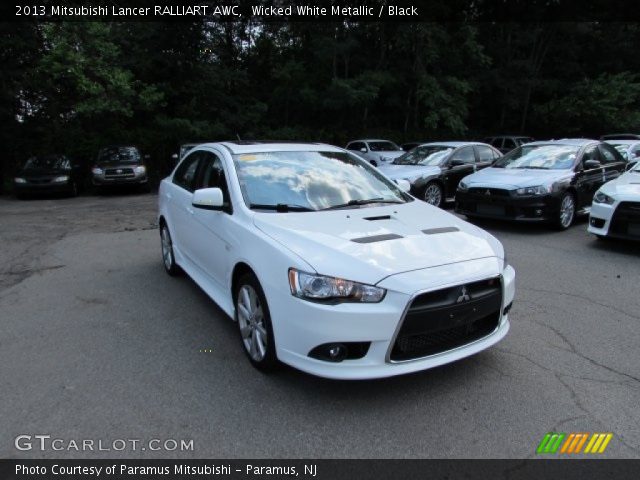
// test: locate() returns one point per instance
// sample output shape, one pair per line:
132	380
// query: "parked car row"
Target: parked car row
550	181
115	165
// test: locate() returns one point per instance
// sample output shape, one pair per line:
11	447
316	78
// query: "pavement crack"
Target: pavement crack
582	297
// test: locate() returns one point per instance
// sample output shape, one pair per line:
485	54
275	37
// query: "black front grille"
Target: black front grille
118	172
626	220
492	192
449	318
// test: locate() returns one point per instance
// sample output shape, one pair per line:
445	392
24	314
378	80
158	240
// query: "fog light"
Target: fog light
596	222
337	352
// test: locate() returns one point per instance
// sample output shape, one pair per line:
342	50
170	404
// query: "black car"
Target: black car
548	181
411	145
434	169
620	136
506	143
46	174
120	165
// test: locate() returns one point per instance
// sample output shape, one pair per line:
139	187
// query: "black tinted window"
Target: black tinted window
485	154
509	143
609	154
212	174
186	173
464	155
356	146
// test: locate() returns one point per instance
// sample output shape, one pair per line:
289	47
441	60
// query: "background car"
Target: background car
615	211
548	181
629	149
48	174
620	136
411	145
434	169
120	165
506	143
327	265
377	152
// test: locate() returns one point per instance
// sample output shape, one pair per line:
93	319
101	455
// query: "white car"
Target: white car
615	211
327	265
377	152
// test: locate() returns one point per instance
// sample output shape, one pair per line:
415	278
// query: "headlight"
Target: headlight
97	171
314	287
463	186
601	197
538	190
61	179
19	180
140	169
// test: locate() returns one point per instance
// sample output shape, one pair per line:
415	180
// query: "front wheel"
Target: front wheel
433	194
254	324
168	258
567	212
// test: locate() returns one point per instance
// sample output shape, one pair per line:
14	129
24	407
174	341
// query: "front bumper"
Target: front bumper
30	188
504	204
301	326
118	180
620	220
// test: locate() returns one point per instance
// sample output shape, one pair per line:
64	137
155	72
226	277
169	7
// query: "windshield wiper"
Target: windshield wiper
281	207
354	203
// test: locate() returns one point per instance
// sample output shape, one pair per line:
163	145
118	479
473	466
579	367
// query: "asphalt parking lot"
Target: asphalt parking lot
97	342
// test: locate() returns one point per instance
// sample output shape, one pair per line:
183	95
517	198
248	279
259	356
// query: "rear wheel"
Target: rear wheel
254	324
567	211
433	194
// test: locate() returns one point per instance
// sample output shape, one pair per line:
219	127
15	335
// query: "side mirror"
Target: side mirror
363	150
208	199
590	164
455	162
403	185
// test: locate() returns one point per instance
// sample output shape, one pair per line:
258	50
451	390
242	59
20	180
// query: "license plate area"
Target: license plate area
486	209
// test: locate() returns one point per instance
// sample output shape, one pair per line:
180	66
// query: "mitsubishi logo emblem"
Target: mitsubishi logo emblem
464	296
488	192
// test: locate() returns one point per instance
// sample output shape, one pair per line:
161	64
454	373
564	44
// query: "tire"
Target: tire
433	194
254	324
73	189
567	212
168	257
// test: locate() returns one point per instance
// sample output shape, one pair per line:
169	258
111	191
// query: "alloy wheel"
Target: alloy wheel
433	195
252	323
167	249
567	211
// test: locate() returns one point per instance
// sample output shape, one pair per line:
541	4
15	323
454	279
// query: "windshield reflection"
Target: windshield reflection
432	155
542	157
312	180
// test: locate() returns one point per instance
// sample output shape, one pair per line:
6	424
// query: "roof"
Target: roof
372	140
260	146
578	142
454	144
623	142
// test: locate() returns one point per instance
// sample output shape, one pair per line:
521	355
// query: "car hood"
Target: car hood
389	155
627	185
325	240
408	172
42	172
514	178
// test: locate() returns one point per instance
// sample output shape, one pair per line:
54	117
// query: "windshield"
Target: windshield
623	148
431	155
119	155
48	162
383	147
636	168
311	180
543	157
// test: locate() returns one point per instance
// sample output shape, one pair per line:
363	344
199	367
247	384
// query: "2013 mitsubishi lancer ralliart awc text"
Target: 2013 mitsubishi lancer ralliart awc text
327	265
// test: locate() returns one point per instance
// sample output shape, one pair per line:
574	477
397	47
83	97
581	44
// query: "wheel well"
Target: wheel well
238	271
161	223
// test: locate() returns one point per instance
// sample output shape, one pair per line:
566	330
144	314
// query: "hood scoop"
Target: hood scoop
377	238
435	231
381	217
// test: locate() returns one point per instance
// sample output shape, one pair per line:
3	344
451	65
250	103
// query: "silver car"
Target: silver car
377	152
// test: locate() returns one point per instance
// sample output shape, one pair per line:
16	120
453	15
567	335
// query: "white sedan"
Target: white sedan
615	211
327	265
